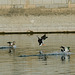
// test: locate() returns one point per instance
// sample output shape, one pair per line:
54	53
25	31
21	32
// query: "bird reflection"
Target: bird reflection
65	58
11	50
42	56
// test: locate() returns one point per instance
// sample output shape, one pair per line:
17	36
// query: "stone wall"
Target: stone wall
49	23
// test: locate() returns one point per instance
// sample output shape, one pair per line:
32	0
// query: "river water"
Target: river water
12	64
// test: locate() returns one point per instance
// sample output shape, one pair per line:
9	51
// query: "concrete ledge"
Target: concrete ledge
37	32
37	24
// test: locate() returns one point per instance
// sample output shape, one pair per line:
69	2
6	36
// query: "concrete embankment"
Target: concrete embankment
36	24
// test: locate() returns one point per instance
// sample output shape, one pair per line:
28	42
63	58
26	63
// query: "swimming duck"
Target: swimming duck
12	44
65	49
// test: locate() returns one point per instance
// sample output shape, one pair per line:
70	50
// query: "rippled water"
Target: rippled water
11	64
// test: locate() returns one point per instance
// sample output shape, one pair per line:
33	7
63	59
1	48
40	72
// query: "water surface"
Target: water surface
11	64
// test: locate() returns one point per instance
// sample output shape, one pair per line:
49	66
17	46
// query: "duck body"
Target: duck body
65	49
14	46
41	40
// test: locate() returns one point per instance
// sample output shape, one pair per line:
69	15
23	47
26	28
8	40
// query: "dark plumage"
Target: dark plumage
65	49
44	37
62	50
40	41
9	43
62	47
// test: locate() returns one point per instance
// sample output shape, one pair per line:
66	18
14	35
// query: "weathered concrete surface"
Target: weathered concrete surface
51	23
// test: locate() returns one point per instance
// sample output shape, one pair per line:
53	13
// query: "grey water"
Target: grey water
12	64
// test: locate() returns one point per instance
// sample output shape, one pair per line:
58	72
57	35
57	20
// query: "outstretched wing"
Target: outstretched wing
9	42
44	37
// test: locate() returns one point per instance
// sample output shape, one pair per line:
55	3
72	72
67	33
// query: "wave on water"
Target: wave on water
47	54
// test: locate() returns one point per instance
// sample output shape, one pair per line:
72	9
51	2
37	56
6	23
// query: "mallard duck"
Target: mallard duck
65	49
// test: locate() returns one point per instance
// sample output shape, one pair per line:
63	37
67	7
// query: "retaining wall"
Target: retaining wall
51	23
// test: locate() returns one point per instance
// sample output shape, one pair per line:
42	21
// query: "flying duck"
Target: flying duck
65	49
41	40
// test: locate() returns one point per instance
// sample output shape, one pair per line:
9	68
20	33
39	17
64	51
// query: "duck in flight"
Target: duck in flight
41	40
65	49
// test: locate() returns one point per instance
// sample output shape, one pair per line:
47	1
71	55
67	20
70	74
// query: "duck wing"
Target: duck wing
44	37
40	41
9	42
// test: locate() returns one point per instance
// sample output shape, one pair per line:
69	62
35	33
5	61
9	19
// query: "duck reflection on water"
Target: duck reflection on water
43	56
65	57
